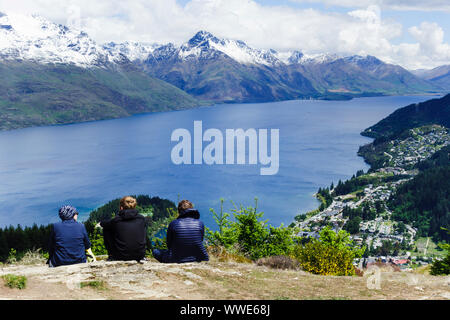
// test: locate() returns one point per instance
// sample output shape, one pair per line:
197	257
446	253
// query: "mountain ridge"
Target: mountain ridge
203	70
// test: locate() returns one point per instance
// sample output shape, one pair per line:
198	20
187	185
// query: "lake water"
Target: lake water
88	164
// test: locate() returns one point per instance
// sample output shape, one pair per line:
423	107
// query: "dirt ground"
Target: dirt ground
214	280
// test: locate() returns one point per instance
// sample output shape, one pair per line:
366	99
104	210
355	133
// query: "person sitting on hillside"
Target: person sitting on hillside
184	237
69	240
125	235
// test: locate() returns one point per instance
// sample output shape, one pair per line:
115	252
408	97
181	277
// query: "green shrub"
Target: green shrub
332	254
442	267
13	281
249	235
157	230
97	242
12	256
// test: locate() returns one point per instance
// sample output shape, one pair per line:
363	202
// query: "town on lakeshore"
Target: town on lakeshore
390	242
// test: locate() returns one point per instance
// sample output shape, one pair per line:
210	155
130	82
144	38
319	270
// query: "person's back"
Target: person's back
185	238
126	234
69	240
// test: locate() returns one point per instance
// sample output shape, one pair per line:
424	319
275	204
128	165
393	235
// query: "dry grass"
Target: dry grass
221	254
33	257
279	262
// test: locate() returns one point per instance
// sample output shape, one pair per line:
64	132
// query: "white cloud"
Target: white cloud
404	5
361	31
430	47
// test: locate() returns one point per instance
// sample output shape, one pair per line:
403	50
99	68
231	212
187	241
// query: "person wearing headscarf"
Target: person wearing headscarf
69	240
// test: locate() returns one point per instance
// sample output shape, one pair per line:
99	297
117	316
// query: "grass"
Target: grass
12	281
223	255
94	284
432	249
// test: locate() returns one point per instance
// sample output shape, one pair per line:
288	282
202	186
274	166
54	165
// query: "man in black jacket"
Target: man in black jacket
126	235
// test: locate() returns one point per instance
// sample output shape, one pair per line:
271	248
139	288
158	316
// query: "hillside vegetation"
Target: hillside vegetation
434	111
35	94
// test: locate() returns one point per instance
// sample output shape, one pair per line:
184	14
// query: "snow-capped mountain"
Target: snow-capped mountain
134	51
34	38
209	67
205	45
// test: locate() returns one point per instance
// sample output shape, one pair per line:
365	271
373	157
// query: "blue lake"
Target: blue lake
89	164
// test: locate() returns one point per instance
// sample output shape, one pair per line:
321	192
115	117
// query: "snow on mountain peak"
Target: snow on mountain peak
134	51
205	45
34	38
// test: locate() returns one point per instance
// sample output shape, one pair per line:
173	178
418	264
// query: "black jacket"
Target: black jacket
126	235
185	238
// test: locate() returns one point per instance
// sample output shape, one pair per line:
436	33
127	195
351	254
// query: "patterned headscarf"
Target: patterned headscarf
67	212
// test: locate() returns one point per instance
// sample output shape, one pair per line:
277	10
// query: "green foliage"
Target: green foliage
387	248
434	111
13	281
22	240
325	198
12	257
364	212
332	254
33	94
249	235
358	182
226	236
442	267
157	231
352	225
94	284
424	202
97	242
440	158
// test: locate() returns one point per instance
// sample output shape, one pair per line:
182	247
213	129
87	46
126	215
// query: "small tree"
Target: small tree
157	230
332	254
442	267
249	235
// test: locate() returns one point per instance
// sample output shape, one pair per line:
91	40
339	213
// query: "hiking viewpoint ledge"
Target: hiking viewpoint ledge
209	280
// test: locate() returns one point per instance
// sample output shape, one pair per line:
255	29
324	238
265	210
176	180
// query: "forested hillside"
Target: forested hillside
434	111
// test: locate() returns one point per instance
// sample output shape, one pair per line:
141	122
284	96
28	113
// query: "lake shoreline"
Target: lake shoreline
318	144
207	104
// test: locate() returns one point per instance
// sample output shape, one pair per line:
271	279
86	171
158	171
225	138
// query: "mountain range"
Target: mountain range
54	74
439	76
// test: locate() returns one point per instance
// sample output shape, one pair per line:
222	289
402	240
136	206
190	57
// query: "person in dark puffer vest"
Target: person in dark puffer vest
69	240
184	237
125	235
